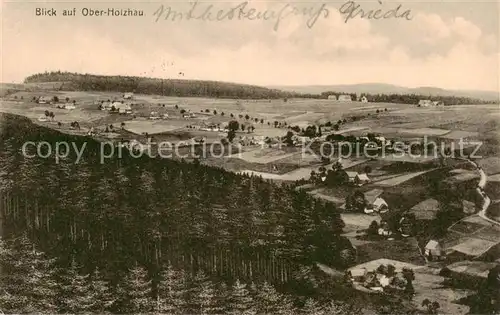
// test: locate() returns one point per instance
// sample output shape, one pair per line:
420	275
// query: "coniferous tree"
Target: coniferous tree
312	307
137	291
76	295
222	292
269	301
29	284
102	293
202	299
172	291
240	300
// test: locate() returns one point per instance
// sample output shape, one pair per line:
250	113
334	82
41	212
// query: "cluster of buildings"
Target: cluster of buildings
119	106
347	98
427	103
53	100
156	116
67	105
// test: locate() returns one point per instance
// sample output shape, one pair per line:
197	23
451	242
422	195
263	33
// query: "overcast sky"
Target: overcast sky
447	44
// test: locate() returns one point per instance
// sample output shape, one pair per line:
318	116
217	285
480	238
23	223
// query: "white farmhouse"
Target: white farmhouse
154	116
345	98
122	108
44	100
128	95
332	97
425	103
364	99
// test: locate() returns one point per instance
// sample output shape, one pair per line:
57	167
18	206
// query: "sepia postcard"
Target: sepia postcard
250	157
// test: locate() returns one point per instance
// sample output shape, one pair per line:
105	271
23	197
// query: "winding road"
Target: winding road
480	190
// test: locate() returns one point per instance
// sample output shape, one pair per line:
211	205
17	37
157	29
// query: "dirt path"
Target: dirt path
480	190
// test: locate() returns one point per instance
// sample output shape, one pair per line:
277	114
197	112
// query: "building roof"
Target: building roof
351	174
474	268
359	270
372	195
432	244
363	176
379	202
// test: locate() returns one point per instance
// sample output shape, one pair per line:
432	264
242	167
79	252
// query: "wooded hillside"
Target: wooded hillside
167	87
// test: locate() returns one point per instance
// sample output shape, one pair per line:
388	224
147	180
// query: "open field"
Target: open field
494	178
400	179
399	122
491	165
266	155
153	127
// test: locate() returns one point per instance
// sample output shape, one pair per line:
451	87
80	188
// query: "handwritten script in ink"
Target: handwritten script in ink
244	11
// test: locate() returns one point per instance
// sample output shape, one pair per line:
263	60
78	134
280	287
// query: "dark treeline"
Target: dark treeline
168	87
31	282
198	88
146	210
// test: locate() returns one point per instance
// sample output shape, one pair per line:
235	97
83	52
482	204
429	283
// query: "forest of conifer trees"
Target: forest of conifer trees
32	282
136	218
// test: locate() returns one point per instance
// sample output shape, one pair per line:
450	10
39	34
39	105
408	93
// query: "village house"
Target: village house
384	229
361	179
115	105
380	205
364	99
352	176
122	108
332	97
437	103
45	99
105	105
188	115
425	103
433	251
128	95
43	118
345	98
164	116
375	203
154	116
66	106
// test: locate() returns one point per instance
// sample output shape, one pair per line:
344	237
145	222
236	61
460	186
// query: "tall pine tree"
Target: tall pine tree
172	290
241	301
137	289
76	295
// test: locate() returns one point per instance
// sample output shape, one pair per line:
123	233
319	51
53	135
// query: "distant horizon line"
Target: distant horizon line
270	86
